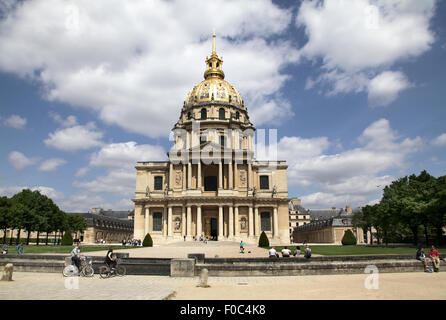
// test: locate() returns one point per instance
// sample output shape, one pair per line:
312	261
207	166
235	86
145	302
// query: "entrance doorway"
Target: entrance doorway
214	228
211	227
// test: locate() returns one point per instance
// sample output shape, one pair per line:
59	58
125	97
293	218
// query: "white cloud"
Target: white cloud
19	161
126	154
75	138
82	172
15	121
48	191
356	41
119	159
440	141
349	177
384	88
84	202
136	68
52	164
70	121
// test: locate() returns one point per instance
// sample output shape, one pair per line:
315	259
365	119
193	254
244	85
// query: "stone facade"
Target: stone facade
211	185
327	229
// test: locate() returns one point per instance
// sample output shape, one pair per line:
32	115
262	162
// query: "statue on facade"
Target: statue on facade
166	191
148	192
274	193
254	192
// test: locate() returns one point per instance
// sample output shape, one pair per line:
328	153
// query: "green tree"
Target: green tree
349	238
76	223
263	240
67	239
5	215
17	217
436	211
147	242
363	219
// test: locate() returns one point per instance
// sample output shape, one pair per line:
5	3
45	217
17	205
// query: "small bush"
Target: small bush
349	238
148	242
67	239
263	240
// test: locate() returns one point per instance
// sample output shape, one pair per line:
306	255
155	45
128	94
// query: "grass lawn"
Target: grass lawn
351	250
65	249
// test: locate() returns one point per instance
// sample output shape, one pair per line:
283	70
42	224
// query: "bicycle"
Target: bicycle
107	272
86	269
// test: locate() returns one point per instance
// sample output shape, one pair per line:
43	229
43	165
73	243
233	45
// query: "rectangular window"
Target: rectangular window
264	182
265	221
158	183
222	141
157	221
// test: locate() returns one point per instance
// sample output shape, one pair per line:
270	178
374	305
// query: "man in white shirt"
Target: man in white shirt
272	253
286	252
76	256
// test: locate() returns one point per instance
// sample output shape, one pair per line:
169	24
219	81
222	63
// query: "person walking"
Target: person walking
242	249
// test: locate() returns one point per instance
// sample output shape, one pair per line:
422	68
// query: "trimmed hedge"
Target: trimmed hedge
349	238
67	240
263	240
148	242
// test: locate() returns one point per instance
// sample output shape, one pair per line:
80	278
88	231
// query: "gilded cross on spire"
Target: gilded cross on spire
214	63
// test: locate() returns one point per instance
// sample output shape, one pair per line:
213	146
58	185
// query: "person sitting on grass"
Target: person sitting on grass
422	257
286	252
435	257
297	251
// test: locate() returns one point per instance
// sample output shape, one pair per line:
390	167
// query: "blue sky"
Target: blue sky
356	90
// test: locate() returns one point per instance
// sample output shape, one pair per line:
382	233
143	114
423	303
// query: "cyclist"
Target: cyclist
110	259
76	256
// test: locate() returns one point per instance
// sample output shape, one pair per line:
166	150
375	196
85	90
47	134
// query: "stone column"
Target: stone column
189	221
250	223
257	222
199	229
249	175
220	175
169	222
183	221
146	222
171	176
236	222
230	174
199	175
165	221
184	176
220	223
235	175
189	175
231	222
276	223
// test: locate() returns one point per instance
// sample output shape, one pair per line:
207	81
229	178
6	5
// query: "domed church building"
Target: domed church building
212	186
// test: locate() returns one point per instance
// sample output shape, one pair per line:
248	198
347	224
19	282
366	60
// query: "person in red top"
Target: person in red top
435	257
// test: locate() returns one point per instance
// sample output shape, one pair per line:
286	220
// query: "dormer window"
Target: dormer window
237	115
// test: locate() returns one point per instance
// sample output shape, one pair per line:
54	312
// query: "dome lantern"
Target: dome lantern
214	64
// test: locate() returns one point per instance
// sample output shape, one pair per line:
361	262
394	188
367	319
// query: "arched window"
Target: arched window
237	115
204	114
189	116
221	114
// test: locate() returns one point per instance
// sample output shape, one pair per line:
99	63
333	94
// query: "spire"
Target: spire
214	63
213	44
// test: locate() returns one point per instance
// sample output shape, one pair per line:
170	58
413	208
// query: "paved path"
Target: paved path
27	286
222	249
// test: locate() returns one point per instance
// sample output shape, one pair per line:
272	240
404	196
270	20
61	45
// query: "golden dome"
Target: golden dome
214	87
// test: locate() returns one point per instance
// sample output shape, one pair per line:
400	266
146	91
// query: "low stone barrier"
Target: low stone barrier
182	268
